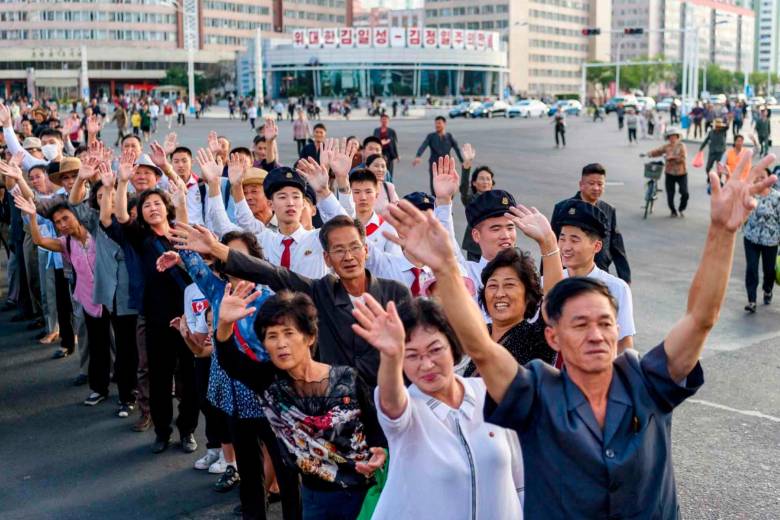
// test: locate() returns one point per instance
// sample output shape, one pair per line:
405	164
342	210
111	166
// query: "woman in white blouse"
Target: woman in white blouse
445	460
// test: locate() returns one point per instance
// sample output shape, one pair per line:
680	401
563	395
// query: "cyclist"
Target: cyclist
675	154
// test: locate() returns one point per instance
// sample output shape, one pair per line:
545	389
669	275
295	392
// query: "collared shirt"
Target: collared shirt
452	463
306	250
337	343
763	224
395	267
622	294
82	258
675	156
194	201
374	235
580	470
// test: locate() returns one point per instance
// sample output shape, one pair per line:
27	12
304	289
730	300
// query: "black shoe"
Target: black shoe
274	497
60	354
674	214
228	480
767	298
37	324
751	307
80	380
160	445
188	443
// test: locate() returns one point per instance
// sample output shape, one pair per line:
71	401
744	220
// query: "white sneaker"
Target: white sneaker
219	466
212	455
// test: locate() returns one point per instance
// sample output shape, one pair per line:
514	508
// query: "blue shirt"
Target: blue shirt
575	469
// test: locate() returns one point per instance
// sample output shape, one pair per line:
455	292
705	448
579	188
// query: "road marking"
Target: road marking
750	413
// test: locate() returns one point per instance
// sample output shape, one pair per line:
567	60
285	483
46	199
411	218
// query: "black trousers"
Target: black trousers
64	311
99	342
713	157
631	135
165	350
217	430
682	182
768	256
562	133
248	435
126	365
300	143
390	166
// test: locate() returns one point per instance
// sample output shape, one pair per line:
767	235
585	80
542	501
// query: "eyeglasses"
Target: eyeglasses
433	353
341	252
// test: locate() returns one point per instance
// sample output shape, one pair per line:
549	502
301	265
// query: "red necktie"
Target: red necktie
286	253
415	288
371	227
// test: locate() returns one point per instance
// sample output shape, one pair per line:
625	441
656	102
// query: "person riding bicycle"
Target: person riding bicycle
675	154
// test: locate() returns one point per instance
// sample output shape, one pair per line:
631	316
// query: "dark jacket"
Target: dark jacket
612	249
440	146
391	150
337	344
311	150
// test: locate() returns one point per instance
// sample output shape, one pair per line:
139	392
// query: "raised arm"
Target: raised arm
426	239
14	177
385	332
124	172
27	207
535	226
729	208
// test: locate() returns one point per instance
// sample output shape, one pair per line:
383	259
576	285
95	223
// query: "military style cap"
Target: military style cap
281	177
310	194
587	217
421	200
493	203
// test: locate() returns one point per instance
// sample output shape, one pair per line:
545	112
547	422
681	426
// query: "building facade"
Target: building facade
544	37
726	34
130	45
767	55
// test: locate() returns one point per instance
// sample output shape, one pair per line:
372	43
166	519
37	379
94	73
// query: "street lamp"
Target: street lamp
189	12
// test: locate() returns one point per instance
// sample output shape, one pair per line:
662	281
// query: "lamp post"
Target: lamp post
189	12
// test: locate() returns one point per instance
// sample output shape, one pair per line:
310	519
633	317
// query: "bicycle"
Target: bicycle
653	172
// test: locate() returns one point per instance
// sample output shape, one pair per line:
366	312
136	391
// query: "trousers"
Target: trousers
217	430
166	352
681	181
64	311
48	292
248	437
767	256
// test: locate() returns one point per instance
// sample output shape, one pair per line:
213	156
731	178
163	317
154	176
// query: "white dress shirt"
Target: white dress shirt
450	464
194	203
305	252
377	239
395	267
622	293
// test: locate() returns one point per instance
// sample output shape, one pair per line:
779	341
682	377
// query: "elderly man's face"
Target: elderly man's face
144	178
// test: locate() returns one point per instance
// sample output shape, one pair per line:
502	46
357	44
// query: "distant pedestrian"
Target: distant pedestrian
560	129
181	110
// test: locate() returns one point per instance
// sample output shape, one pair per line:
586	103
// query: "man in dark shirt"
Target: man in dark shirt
612	250
319	133
441	143
389	140
344	248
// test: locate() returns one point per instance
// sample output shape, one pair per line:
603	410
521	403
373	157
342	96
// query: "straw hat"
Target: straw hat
31	143
254	176
67	165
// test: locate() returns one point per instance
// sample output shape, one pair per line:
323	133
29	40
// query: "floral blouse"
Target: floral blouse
325	427
763	225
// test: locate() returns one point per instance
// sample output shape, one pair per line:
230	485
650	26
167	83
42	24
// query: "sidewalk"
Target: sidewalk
360	114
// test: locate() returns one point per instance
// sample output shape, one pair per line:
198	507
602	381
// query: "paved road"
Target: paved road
67	461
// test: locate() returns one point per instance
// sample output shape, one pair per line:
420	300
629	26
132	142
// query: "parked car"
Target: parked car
570	107
717	99
757	100
666	103
465	109
611	105
527	108
491	109
770	100
645	102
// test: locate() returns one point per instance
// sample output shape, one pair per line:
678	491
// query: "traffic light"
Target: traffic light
591	31
633	30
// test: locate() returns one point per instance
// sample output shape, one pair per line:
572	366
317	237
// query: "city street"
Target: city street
64	460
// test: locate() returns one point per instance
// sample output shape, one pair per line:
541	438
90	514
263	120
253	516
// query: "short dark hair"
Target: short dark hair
340	221
373	157
132	136
258	139
181	149
441	118
166	200
523	265
51	132
319	125
242	150
249	240
570	288
60	206
288	307
93	193
384	114
371	139
81	149
37	166
481	169
363	175
739	136
593	169
427	314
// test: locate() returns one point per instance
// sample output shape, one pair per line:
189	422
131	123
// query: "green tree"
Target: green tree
178	76
759	81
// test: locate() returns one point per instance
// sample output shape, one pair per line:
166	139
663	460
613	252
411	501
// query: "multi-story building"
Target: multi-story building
130	45
380	17
543	37
767	55
726	30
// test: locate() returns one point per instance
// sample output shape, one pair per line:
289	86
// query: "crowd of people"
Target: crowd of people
349	359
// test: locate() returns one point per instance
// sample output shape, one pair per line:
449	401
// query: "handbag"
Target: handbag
777	270
698	160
